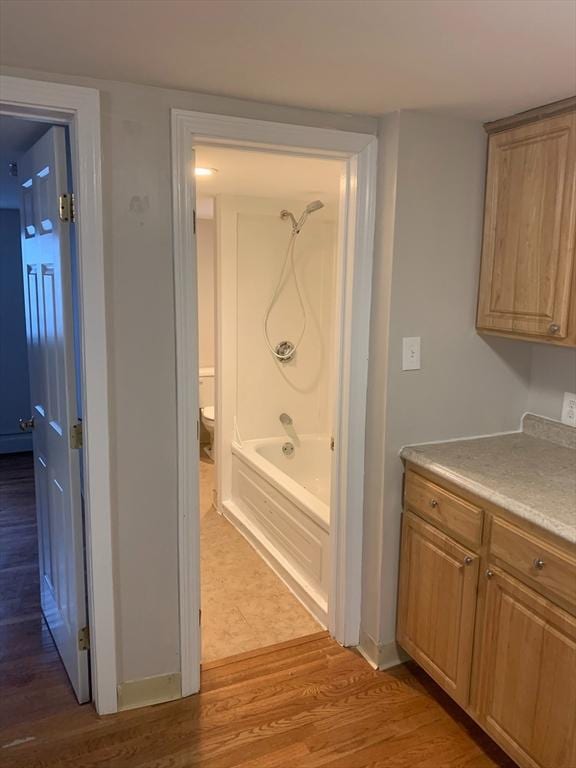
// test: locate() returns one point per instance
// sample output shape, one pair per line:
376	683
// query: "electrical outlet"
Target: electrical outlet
411	353
569	409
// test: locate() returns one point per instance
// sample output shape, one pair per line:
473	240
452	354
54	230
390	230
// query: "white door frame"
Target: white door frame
358	151
79	108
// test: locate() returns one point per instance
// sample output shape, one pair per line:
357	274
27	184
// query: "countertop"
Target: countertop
531	473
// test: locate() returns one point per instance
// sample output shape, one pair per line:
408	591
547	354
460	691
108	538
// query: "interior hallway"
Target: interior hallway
244	604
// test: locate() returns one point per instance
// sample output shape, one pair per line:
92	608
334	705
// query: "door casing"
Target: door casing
79	108
356	245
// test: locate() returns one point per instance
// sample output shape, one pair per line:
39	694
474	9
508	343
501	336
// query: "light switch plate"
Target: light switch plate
411	353
569	409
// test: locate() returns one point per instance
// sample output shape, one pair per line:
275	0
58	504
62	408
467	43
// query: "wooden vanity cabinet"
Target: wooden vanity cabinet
487	607
527	674
528	275
437	605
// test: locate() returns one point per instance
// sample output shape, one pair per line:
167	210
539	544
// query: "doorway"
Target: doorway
43	556
77	110
267	247
357	154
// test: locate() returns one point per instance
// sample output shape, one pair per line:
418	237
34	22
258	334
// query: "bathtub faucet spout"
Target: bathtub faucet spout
285	419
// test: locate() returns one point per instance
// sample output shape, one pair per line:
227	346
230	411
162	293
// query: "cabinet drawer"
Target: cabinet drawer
544	565
449	512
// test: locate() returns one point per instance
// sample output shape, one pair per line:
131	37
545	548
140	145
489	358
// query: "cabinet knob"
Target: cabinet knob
433	503
467	560
539	563
489	573
553	327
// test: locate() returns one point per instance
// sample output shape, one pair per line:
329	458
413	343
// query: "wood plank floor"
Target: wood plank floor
302	704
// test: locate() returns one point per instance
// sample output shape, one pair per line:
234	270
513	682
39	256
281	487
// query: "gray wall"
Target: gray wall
14	387
553	372
429	238
140	307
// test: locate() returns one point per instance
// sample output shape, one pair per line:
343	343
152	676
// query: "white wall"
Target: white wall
206	258
428	237
254	241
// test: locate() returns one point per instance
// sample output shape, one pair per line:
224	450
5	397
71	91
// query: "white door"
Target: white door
49	327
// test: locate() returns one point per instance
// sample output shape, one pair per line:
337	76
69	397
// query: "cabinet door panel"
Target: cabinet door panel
528	675
437	604
528	252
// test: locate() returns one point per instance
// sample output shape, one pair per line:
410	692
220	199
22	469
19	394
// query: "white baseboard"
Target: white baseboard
381	656
313	603
149	690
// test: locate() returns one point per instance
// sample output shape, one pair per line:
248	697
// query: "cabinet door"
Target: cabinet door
437	604
528	675
526	281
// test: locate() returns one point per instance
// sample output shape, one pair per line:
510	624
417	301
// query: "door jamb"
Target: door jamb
79	108
357	235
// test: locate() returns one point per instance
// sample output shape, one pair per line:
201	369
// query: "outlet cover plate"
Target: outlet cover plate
569	409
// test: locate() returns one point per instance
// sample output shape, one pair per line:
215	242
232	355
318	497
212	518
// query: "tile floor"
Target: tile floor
244	604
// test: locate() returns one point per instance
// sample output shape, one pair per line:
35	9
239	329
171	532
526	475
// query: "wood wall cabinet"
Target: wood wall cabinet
528	272
491	617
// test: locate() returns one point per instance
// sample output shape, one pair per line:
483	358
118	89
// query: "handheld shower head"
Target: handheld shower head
315	205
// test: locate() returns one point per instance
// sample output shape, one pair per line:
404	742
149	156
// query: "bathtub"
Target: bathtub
281	504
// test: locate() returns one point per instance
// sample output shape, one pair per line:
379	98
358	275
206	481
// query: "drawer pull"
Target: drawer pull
433	503
539	563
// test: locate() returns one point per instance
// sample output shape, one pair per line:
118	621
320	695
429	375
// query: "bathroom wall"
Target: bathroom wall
253	241
206	259
14	385
428	241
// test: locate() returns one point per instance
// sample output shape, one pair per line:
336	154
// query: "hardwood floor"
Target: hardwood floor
301	704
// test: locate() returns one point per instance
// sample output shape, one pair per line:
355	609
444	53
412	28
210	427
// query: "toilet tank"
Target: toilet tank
206	389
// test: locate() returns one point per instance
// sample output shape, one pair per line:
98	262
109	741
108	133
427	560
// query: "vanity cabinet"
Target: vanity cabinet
528	275
527	674
487	607
438	604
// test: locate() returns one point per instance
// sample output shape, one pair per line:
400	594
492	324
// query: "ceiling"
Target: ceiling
265	174
476	58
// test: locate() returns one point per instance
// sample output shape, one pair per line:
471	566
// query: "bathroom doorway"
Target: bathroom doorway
246	454
267	248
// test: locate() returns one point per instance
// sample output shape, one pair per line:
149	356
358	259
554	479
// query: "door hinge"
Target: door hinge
332	443
194	221
67	207
76	438
200	616
83	639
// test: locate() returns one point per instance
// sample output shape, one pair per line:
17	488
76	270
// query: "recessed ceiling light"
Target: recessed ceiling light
205	171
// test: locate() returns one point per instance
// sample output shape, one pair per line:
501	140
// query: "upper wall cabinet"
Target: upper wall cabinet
528	274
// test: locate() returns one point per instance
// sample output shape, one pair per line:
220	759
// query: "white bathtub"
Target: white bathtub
281	504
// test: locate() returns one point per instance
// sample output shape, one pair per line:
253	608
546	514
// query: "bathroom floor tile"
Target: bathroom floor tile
245	606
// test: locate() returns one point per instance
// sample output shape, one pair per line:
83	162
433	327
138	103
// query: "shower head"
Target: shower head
315	205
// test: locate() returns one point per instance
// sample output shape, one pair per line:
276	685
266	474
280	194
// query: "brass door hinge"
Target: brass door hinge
66	207
76	437
83	639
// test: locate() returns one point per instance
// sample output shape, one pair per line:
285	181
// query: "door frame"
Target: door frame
357	220
79	108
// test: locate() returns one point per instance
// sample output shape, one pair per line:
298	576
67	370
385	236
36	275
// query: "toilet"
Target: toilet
207	398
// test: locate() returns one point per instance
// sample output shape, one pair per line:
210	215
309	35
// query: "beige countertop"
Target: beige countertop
531	473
